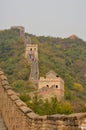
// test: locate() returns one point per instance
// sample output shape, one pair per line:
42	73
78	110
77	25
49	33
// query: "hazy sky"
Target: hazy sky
59	18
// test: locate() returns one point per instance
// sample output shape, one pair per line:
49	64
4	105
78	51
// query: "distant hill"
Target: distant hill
67	57
74	37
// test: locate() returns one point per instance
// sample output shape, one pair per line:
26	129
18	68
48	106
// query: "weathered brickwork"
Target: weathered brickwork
17	116
51	85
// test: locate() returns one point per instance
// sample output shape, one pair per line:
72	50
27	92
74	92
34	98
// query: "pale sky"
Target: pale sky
59	18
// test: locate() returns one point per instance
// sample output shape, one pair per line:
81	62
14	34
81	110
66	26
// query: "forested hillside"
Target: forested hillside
67	57
12	60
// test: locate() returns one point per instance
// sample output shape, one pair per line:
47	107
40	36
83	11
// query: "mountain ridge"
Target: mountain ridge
68	60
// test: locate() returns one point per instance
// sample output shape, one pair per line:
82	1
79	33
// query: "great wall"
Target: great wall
15	115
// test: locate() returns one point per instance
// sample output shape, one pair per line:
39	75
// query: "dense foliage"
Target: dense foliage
67	57
46	107
12	61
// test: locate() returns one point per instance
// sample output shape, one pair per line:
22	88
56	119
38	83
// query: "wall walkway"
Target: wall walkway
34	71
17	116
2	125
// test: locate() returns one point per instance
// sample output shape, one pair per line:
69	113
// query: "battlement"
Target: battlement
31	45
51	79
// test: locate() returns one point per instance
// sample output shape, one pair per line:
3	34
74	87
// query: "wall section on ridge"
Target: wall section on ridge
17	116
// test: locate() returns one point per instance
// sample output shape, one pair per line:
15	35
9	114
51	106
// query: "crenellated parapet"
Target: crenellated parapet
17	116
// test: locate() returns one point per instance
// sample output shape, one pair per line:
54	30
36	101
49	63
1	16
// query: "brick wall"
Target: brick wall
17	116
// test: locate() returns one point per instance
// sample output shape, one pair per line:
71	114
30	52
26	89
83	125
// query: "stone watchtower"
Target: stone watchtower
31	54
21	30
51	85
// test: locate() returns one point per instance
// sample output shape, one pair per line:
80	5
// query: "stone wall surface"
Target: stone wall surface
17	116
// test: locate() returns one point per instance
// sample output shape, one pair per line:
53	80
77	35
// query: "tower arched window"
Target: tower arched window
30	49
56	86
47	86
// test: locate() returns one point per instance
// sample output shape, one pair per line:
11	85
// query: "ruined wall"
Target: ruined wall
49	87
17	116
48	93
21	29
